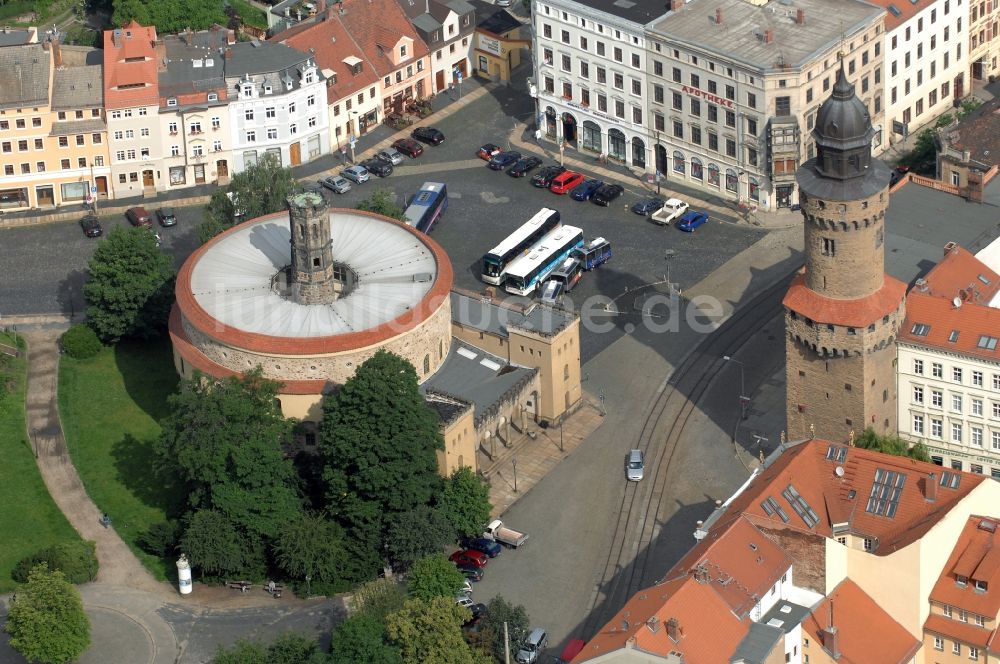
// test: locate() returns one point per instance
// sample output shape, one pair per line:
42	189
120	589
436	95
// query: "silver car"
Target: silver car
635	465
391	155
336	184
356	174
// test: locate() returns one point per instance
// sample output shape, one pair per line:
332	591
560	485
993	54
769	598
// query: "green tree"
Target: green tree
434	576
894	445
362	638
224	439
379	441
46	622
431	631
310	545
217	547
382	201
129	10
130	286
500	611
259	189
76	560
465	502
80	342
378	598
416	533
289	648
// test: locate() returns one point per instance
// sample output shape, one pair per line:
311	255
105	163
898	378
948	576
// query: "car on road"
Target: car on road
572	649
489	150
471	573
428	135
586	190
692	220
356	174
483	545
524	166
647	206
562	183
635	465
390	155
501	161
607	193
383	169
673	209
469	557
532	647
336	184
166	216
91	226
137	216
409	147
544	177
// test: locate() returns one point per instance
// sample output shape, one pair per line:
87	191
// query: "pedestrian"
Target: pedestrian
270	587
105	520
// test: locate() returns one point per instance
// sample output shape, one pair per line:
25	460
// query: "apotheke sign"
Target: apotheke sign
695	92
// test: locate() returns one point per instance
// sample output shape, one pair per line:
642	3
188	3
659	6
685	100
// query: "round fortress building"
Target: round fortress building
308	295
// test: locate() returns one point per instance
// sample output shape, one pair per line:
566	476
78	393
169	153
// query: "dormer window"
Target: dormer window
961	581
309	77
267	89
128	34
356	69
402	51
212	96
248	90
980	585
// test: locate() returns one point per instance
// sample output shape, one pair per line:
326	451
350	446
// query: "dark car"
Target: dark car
502	160
647	206
428	135
607	193
544	177
524	166
409	147
584	192
166	216
91	226
471	573
469	557
378	167
489	150
490	547
137	216
897	174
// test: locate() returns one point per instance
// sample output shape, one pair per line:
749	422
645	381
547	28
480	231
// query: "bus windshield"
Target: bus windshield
521	241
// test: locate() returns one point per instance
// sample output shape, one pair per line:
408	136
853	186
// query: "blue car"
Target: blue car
483	545
692	220
583	192
498	162
647	206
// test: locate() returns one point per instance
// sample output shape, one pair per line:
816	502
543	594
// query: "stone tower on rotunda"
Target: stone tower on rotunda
842	312
312	269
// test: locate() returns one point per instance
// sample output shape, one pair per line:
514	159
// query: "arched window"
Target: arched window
427	364
638	152
754	188
590	136
440	349
696	169
732	181
616	144
713	175
678	162
302	231
550	121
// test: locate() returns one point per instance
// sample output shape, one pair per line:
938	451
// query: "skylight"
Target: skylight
983	279
987	342
950	480
800	506
953	337
884	499
836	453
920	329
894	10
771	507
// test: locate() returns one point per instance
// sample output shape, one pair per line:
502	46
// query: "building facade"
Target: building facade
446	27
842	313
497	44
984	24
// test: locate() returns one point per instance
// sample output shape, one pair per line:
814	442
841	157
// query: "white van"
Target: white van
532	646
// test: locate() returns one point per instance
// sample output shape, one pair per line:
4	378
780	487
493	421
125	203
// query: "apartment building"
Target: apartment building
447	27
735	87
80	134
948	365
984	47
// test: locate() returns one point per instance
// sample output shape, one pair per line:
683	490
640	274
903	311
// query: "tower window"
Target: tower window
316	262
829	247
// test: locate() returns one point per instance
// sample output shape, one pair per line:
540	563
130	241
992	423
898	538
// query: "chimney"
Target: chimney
676	5
321	9
768	36
229	53
718	16
701	574
831	640
56	53
976	186
46	46
674	630
800	17
930	487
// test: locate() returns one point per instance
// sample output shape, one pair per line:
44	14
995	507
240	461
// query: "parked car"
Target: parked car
524	166
483	545
166	216
464	600
137	216
356	174
498	532
544	177
469	557
586	190
607	193
647	206
390	155
562	183
471	573
466	588
409	147
489	150
671	210
897	174
501	161
383	169
428	135
91	226
478	611
572	649
635	465
692	220
551	292
532	647
336	184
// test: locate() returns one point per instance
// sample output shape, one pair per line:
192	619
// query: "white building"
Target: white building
948	364
446	26
926	58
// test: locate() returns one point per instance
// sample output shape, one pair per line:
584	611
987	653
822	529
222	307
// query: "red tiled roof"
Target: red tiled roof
956	629
381	23
957	275
119	73
848	313
865	632
907	9
976	556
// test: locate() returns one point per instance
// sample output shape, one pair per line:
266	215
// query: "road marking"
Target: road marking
491	198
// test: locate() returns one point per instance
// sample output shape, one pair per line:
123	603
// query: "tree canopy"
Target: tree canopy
413	534
500	611
362	638
130	286
310	545
289	648
894	445
465	502
382	201
431	631
217	547
259	189
46	622
434	576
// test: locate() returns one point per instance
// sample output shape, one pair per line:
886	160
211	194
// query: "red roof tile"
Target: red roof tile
958	275
849	313
976	556
956	629
905	10
119	73
865	632
376	26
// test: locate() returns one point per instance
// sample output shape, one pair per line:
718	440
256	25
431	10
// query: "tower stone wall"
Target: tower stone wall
312	268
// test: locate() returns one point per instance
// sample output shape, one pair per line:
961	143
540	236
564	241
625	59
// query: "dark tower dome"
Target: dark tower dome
843	133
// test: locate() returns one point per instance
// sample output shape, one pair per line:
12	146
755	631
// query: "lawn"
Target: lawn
250	14
29	520
111	406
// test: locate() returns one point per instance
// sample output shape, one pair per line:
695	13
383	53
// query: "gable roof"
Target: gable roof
377	26
978	134
135	42
24	76
976	557
78	87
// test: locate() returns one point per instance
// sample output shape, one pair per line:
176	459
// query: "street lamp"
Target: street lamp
513	463
561	423
744	400
656	162
667	255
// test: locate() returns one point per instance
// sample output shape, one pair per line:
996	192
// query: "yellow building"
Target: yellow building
496	44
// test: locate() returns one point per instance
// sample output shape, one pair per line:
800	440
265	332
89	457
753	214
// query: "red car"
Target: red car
565	181
409	147
489	151
469	558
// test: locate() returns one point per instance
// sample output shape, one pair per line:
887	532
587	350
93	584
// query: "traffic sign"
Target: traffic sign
353	140
93	190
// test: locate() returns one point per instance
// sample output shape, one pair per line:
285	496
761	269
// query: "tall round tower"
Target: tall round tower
842	312
312	268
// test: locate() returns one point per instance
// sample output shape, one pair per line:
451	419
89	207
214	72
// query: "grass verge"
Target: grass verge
250	14
111	406
29	520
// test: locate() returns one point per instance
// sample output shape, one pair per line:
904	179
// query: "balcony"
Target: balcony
783	135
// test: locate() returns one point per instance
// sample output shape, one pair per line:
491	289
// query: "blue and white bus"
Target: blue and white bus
425	208
528	272
594	254
517	243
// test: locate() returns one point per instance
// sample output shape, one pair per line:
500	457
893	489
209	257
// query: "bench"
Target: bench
242	586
